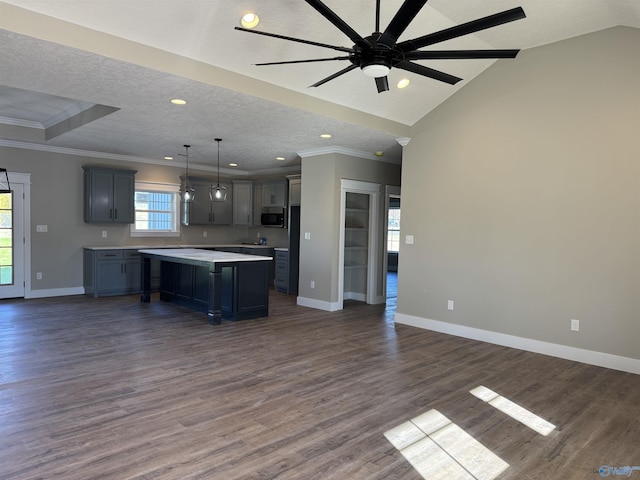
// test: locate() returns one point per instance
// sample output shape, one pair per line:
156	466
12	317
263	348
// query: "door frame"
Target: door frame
24	179
373	265
389	192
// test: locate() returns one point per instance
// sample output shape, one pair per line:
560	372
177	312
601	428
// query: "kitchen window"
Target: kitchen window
156	210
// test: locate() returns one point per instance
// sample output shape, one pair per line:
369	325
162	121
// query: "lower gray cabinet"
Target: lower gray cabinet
111	272
282	271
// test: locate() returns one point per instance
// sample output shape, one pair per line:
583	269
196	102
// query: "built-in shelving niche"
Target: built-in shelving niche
360	259
356	246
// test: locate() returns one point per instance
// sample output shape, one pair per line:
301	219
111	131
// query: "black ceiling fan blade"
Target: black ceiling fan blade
427	72
460	54
302	61
400	22
299	40
382	83
335	75
463	29
327	13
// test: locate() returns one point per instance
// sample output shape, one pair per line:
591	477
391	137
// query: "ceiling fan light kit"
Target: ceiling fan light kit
378	53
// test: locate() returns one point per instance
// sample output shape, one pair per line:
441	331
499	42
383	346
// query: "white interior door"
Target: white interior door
12	243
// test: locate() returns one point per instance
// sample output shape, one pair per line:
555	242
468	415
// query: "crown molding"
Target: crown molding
344	151
19	122
129	158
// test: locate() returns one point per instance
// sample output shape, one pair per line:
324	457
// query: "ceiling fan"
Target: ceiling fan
376	54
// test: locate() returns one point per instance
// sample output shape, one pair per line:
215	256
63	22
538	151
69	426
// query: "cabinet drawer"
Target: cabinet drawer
109	255
131	254
280	255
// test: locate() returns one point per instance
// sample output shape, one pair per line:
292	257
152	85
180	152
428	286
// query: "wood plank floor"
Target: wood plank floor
112	388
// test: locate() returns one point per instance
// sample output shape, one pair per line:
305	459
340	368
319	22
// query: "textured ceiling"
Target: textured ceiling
134	55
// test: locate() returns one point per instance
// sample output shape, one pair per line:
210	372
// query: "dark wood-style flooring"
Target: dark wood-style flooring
112	388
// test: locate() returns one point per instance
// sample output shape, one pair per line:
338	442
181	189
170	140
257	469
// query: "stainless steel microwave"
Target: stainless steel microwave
273	219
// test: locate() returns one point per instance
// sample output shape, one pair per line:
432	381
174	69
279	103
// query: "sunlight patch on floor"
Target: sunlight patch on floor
439	449
514	410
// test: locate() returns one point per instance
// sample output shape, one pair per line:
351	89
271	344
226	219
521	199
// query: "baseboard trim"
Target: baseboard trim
54	292
318	304
600	359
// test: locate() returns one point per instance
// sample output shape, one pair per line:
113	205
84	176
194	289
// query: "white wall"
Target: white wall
523	195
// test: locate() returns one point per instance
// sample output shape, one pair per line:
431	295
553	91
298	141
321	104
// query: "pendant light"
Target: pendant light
219	192
5	187
187	192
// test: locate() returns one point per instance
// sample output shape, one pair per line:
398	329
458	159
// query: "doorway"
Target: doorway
12	240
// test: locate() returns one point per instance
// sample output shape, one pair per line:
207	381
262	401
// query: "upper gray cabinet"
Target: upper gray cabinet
295	189
242	203
109	195
274	193
203	211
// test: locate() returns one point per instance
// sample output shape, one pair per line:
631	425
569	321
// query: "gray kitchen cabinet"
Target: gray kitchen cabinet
111	272
204	211
295	189
108	195
257	204
274	193
281	281
243	203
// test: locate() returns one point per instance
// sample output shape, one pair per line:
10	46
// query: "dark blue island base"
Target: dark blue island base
223	285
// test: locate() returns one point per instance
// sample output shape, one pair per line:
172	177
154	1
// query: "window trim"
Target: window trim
162	188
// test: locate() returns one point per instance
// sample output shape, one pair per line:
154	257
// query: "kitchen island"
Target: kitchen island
225	285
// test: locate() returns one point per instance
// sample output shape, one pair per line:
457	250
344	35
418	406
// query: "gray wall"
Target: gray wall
523	195
320	207
57	201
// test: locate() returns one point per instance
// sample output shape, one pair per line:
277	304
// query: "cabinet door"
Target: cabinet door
109	278
200	208
257	203
132	269
242	203
123	198
99	196
273	194
222	211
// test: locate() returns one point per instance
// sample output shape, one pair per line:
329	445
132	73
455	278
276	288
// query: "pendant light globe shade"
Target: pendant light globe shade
187	192
218	193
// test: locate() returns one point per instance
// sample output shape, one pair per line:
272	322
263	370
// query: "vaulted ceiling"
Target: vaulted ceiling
97	76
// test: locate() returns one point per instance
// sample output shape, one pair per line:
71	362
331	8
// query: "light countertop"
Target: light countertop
138	247
210	256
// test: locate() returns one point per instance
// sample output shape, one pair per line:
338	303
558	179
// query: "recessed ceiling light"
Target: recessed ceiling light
280	158
178	101
168	158
250	20
404	83
325	135
233	164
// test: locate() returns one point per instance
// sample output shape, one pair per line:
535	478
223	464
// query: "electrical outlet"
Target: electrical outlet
204	233
39	276
450	304
575	325
104	234
42	228
313	284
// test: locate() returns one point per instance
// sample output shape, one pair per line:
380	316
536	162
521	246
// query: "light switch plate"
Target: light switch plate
408	239
42	228
307	235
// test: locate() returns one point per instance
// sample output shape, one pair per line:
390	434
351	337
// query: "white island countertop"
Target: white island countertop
210	256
